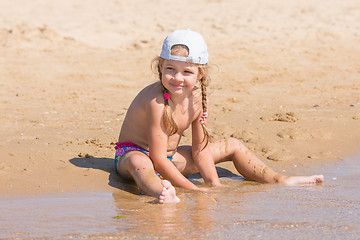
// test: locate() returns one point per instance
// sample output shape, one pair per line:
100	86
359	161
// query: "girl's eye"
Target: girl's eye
169	68
189	72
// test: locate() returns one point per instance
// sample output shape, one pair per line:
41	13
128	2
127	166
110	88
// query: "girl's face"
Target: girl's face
179	77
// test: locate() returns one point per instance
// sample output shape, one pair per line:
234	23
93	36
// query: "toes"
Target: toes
320	178
168	194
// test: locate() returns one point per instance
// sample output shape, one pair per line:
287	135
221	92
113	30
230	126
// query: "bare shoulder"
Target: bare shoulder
149	94
154	95
150	100
151	90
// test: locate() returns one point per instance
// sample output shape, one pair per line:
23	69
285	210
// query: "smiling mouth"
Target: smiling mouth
177	85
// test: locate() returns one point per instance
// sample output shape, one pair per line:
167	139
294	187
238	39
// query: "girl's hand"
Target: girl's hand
212	189
202	189
219	185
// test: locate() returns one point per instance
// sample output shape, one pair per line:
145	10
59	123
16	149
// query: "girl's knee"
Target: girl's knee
137	162
235	144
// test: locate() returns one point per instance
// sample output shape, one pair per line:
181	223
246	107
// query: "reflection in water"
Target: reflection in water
193	215
198	214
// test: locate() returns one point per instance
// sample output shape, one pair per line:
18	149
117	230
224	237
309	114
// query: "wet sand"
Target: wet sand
249	210
285	80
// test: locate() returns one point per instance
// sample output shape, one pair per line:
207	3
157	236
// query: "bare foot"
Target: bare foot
293	180
168	194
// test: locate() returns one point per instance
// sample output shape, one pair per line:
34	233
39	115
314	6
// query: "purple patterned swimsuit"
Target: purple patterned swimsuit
124	147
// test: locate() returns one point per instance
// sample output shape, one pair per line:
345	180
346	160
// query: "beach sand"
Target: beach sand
285	80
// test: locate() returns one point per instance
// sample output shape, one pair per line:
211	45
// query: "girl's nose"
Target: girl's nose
178	76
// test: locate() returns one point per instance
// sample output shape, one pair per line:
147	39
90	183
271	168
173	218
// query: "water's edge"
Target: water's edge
250	209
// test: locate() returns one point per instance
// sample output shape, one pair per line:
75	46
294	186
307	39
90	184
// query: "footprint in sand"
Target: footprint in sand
299	133
281	117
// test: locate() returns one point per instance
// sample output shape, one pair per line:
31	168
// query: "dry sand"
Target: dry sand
285	80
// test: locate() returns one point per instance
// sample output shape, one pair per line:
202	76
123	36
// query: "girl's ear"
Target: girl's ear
201	72
200	76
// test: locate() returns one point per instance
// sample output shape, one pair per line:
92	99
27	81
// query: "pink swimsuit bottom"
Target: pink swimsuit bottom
124	147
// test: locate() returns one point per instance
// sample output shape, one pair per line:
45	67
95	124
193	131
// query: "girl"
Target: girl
161	112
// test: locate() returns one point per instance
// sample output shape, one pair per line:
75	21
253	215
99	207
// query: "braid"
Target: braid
204	81
203	95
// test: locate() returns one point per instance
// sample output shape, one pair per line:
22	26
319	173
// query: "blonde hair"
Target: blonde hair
168	120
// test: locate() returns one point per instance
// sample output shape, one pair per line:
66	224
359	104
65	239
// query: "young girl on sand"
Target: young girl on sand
161	112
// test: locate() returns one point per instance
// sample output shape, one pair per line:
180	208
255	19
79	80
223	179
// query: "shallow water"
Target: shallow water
245	210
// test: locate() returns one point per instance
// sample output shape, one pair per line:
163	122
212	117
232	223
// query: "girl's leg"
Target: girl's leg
137	166
251	167
245	162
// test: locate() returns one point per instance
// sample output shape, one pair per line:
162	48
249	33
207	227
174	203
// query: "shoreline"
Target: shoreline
288	87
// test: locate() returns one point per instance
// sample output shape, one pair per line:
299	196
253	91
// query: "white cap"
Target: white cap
194	41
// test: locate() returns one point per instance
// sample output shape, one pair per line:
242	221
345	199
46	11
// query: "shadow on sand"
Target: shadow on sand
107	165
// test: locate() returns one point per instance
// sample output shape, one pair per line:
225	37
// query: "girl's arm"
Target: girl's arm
202	156
158	140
